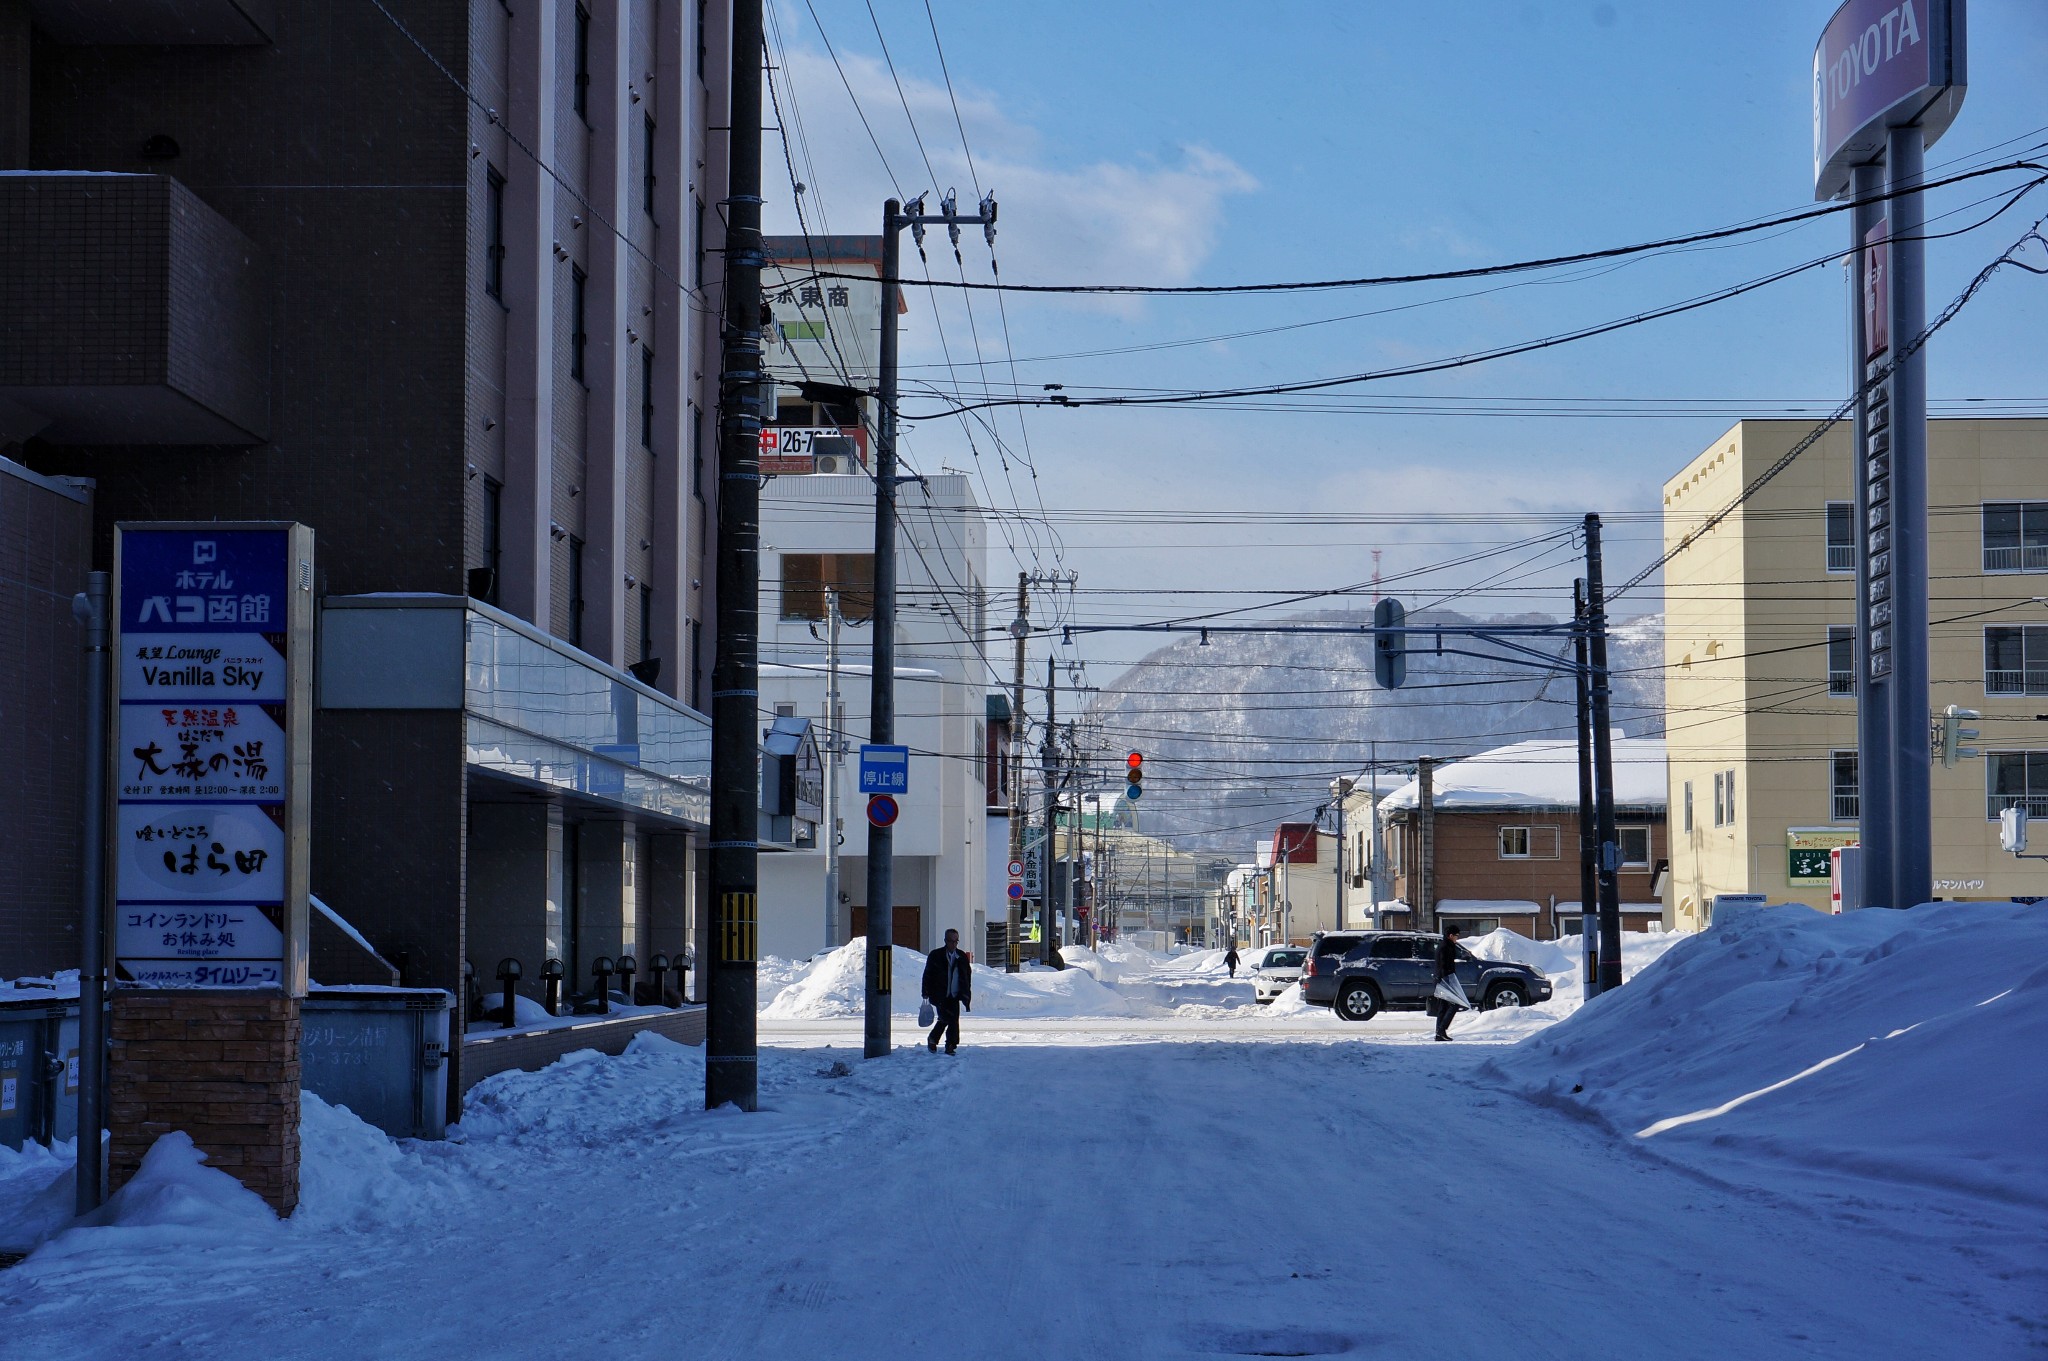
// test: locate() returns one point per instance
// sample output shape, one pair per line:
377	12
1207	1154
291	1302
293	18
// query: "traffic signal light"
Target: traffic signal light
2012	829
1953	734
1134	775
1389	644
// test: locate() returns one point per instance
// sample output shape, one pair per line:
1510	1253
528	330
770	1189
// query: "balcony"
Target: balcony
2031	680
1842	557
2016	558
130	313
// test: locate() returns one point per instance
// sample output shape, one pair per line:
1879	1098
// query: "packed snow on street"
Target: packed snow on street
1793	1135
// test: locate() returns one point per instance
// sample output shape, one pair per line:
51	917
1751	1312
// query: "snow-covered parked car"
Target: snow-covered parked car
1359	974
1274	969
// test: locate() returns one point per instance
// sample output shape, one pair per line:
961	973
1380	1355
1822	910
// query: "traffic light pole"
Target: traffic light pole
730	1059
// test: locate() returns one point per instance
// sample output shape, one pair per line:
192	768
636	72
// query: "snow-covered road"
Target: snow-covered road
1113	1189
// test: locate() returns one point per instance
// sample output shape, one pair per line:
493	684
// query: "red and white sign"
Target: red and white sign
793	448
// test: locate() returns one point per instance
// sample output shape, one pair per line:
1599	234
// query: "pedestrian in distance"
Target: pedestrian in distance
1446	968
948	986
1230	961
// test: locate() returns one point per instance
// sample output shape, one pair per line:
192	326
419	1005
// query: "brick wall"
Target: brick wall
222	1067
1469	863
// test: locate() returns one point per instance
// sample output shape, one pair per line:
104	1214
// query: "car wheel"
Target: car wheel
1357	1002
1506	995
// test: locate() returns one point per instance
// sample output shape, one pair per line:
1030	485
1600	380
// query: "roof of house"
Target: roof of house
1541	774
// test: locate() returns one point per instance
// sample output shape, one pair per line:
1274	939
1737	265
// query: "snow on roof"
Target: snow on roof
1541	774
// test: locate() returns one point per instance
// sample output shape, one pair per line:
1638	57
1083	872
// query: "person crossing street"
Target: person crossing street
1446	967
948	986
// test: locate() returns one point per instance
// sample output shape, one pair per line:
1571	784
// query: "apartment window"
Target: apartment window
1685	802
582	63
647	164
576	591
697	665
703	43
1841	536
807	576
579	285
646	398
2016	660
696	452
2016	778
1843	804
1720	799
1841	660
1728	776
1514	843
493	535
697	238
2016	536
1635	847
494	228
646	623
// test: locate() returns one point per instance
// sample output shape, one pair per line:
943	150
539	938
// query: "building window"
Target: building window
1729	777
2016	778
493	536
703	42
1720	799
576	591
696	452
1635	847
1841	659
697	238
807	576
2016	660
494	229
646	398
582	95
579	285
2016	536
1685	802
1844	804
1514	843
646	623
697	665
1841	536
647	166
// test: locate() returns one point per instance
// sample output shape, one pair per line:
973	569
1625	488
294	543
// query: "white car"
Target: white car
1273	969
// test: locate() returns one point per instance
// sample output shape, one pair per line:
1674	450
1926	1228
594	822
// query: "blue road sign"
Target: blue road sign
884	770
882	810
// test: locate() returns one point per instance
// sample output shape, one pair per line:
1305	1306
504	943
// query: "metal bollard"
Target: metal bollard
659	966
627	967
551	973
508	975
601	970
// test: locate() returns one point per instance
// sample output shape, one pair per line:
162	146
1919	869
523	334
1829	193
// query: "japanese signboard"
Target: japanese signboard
1806	853
213	637
884	769
1882	64
795	449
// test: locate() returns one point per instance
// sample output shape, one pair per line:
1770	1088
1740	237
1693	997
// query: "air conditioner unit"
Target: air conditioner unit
835	463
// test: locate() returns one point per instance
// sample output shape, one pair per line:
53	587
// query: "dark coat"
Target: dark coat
1446	958
934	987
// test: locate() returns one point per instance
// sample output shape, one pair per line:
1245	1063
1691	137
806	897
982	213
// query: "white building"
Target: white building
817	543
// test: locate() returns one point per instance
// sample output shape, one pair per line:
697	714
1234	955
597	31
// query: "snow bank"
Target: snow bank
1878	1043
835	984
173	1201
352	1175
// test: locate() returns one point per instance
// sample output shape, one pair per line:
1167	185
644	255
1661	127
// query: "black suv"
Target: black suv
1361	973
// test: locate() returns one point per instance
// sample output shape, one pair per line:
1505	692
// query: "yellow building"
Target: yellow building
1760	672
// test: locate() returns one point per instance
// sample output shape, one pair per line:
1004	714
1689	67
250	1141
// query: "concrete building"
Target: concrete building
1760	659
818	540
1503	845
273	262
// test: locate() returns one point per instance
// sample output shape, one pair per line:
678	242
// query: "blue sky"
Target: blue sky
1211	143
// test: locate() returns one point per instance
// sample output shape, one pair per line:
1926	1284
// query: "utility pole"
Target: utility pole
1047	914
1425	843
1609	861
1589	896
1020	629
835	727
1340	789
90	607
882	693
1073	925
730	1060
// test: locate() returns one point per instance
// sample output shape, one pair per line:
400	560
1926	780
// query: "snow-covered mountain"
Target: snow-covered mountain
1247	730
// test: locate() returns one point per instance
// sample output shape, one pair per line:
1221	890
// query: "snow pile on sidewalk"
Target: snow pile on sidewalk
1877	1043
835	984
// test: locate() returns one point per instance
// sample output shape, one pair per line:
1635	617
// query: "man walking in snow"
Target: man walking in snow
1230	961
948	986
1446	967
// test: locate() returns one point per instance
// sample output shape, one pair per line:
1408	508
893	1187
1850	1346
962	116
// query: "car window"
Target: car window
1285	959
1335	945
1391	947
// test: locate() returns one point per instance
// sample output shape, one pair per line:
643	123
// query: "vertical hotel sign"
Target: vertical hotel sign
213	642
